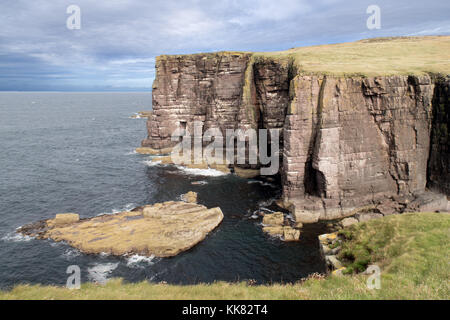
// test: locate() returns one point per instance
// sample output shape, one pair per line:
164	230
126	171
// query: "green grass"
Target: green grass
412	251
373	57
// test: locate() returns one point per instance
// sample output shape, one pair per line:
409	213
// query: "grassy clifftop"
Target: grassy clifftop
373	57
370	57
412	251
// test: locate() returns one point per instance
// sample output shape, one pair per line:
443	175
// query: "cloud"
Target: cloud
119	39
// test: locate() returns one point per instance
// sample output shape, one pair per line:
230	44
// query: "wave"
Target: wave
263	183
127	207
189	171
71	253
16	237
136	116
201	172
139	261
99	272
151	163
266	203
201	182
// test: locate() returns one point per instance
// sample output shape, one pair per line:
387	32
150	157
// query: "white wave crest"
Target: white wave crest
99	272
265	209
71	253
266	203
263	183
136	116
138	260
16	237
151	163
201	182
127	207
201	172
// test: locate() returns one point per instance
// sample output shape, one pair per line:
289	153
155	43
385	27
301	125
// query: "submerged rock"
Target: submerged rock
163	229
190	197
142	114
153	152
202	164
246	173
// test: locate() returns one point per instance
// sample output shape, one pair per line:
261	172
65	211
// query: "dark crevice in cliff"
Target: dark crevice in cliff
314	180
438	168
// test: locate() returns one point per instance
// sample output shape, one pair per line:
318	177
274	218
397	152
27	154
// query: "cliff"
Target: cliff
361	123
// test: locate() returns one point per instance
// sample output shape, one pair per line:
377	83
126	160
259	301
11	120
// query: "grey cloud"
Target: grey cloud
119	39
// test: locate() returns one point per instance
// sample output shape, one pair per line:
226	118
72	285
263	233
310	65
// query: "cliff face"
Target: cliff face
203	88
352	141
439	162
346	142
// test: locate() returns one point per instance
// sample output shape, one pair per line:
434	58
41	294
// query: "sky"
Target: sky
117	42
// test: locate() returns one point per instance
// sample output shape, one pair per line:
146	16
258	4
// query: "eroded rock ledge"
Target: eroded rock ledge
162	229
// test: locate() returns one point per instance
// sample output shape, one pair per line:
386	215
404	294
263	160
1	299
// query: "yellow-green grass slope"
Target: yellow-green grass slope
373	57
411	249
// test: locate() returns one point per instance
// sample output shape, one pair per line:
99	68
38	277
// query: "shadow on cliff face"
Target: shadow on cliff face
438	173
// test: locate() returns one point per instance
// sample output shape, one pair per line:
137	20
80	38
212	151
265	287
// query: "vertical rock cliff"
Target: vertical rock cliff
439	162
346	142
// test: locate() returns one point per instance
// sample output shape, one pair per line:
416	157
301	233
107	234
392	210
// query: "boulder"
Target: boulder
366	216
338	272
190	197
428	202
298	225
275	231
291	234
286	233
333	262
246	173
63	218
348	222
325	249
328	237
273	219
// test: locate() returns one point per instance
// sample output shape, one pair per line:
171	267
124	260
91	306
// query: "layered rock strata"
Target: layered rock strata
346	142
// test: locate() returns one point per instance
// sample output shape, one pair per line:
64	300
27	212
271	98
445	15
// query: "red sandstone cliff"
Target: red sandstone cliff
347	142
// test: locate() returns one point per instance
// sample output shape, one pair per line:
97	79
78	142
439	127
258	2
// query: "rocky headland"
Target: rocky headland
364	125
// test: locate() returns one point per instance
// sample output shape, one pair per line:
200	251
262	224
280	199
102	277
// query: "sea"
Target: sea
74	152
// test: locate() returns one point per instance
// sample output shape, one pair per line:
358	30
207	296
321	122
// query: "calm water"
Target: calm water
73	152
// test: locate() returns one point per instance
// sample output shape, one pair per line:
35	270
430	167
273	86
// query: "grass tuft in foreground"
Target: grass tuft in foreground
412	251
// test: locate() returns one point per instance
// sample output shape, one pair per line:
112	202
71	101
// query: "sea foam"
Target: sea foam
99	272
140	261
201	172
16	237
